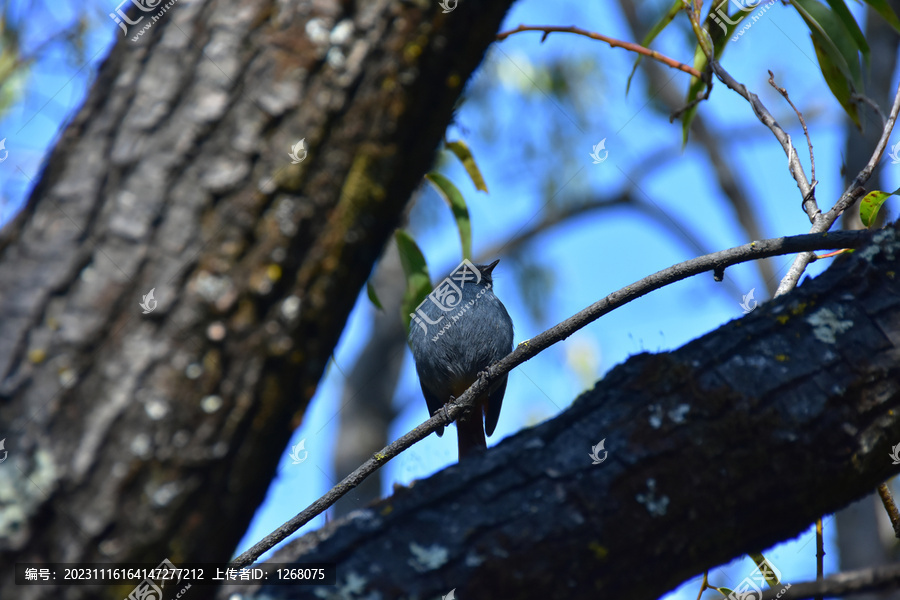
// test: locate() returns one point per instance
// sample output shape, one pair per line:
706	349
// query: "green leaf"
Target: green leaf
765	567
457	203
837	83
373	297
871	204
462	152
837	51
418	281
714	24
657	28
833	37
887	13
846	18
697	86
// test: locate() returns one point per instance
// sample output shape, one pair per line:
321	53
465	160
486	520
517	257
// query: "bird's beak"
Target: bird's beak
486	270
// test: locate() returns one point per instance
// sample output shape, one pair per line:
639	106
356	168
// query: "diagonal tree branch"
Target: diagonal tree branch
755	429
716	262
821	221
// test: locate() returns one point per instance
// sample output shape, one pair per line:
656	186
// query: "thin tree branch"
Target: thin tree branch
526	350
891	507
822	221
548	29
763	114
854	191
809	205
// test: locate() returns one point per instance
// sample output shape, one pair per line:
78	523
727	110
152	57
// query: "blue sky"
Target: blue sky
531	148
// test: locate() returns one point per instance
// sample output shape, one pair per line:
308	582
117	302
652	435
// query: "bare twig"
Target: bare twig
705	585
763	114
717	261
676	114
891	507
842	584
809	202
548	29
823	220
854	192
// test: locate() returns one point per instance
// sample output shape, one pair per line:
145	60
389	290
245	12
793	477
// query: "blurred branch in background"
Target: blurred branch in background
366	400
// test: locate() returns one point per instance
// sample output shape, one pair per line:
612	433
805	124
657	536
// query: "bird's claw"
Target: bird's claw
442	411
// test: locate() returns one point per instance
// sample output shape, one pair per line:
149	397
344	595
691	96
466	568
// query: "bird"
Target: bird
459	330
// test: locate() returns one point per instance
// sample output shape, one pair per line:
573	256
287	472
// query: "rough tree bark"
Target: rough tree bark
730	444
858	540
136	437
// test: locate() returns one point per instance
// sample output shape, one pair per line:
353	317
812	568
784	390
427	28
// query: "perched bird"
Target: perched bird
458	332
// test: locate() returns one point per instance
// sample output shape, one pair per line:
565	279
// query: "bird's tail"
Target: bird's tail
470	432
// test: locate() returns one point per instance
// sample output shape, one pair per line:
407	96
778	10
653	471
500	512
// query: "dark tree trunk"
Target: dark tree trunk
728	445
136	437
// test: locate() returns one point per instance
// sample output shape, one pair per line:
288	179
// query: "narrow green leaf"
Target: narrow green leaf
696	87
765	567
657	28
373	296
462	152
887	13
871	204
837	83
846	18
833	37
457	203
418	281
720	31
